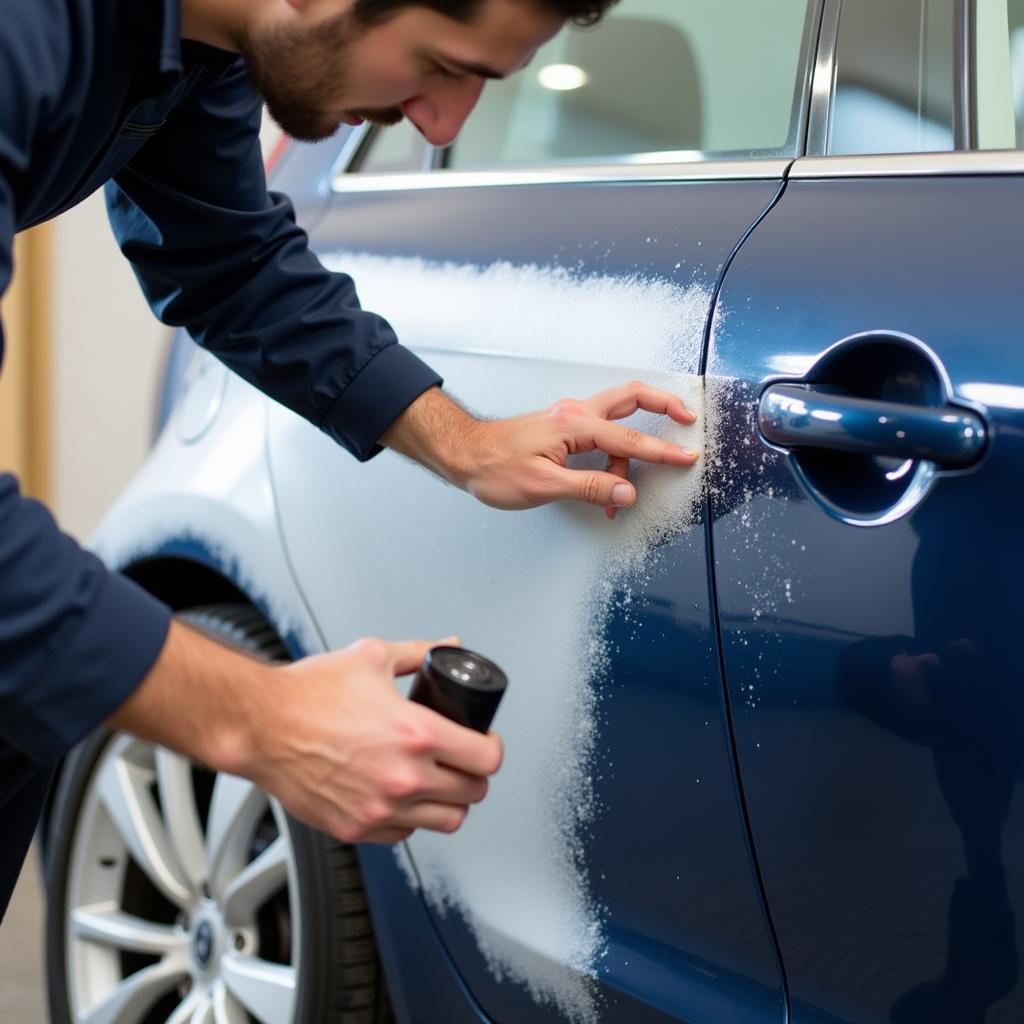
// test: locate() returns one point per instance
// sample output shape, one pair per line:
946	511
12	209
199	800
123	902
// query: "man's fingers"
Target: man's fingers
464	749
438	817
618	441
591	486
619	467
403	656
386	835
618	403
448	786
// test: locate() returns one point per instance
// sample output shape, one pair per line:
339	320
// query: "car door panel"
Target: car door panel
607	876
873	670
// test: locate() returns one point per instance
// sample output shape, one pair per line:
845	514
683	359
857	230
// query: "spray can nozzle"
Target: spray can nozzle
461	685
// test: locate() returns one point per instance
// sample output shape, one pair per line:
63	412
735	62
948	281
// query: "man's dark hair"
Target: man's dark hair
580	12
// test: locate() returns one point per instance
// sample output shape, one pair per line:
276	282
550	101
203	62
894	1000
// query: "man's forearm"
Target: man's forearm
201	699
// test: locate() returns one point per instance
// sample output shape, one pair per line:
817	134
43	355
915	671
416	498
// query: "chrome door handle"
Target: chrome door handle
802	416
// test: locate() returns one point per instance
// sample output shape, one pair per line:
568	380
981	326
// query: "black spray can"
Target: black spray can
460	685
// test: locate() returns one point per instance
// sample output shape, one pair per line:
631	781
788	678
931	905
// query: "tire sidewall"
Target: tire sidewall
316	858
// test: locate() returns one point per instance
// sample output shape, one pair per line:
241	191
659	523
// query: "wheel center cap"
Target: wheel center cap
202	944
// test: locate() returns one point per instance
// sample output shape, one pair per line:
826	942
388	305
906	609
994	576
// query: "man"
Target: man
160	100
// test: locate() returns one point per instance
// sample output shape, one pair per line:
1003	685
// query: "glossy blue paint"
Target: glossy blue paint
424	986
667	854
874	674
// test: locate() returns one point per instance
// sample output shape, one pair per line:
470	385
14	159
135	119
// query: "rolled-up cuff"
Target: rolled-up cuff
109	654
389	383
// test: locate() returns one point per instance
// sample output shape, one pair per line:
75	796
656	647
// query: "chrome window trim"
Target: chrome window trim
965	135
823	83
350	147
910	165
597	174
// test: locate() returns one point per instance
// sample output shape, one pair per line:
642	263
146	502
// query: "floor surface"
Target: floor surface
22	1000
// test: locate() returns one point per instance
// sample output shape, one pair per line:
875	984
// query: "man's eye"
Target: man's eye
444	72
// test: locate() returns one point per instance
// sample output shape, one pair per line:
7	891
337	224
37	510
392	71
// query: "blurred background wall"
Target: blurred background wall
107	350
81	367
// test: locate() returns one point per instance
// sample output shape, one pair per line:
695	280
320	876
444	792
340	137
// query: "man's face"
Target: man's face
318	71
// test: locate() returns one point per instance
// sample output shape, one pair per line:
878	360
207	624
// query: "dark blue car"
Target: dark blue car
764	731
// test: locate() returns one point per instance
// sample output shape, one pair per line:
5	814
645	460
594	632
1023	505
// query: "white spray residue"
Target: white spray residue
541	584
752	522
650	324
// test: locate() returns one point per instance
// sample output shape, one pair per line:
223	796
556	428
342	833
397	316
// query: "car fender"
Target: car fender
204	497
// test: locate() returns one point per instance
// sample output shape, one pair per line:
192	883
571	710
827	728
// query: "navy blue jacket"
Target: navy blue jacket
96	92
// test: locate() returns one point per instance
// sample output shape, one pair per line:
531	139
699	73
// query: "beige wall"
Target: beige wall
24	385
15	382
107	351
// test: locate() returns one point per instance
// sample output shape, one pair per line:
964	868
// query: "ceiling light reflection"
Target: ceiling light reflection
562	77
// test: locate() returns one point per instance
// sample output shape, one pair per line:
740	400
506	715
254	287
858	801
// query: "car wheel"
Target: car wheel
179	894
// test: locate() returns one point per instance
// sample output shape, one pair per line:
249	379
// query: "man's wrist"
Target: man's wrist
440	434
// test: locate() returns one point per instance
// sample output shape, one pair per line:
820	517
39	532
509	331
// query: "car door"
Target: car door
572	241
866	506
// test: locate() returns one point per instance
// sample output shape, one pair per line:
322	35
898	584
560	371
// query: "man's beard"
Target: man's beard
297	69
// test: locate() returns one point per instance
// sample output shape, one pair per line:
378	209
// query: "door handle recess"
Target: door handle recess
801	416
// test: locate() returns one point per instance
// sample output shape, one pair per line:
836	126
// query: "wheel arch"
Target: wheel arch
182	575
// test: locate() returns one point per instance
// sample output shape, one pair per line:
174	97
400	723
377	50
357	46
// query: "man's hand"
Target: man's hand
355	759
329	736
522	462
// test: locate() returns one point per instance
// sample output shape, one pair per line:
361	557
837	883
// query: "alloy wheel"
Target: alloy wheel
182	896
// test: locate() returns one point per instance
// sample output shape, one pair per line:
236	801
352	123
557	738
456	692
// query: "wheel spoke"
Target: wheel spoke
195	1009
235	808
264	876
178	799
123	788
207	1014
266	990
136	995
226	1008
109	926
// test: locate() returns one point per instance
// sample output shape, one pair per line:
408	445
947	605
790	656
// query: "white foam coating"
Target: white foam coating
516	871
634	322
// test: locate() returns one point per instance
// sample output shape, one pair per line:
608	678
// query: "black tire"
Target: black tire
340	979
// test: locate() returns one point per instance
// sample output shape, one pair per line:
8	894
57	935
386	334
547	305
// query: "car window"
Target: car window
391	150
895	77
999	74
656	79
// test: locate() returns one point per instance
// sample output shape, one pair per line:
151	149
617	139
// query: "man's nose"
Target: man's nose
440	111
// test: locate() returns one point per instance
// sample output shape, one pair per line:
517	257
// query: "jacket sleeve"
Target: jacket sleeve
217	254
75	639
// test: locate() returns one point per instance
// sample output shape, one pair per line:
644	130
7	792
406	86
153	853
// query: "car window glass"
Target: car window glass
895	77
999	74
391	150
658	79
